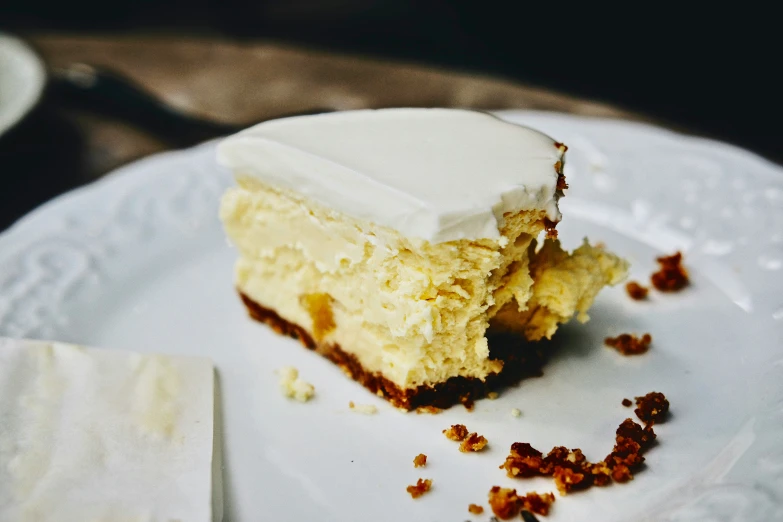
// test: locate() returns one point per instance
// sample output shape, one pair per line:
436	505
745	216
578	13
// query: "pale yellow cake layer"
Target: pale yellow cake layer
413	311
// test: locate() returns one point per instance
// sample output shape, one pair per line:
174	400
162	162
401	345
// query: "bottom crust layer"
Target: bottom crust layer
520	359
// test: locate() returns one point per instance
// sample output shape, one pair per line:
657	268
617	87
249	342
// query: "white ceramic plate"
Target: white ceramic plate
22	79
139	261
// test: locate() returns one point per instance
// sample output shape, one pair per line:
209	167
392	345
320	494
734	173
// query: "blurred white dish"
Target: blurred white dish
22	80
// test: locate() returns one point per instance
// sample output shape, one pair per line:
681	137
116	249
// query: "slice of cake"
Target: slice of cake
89	435
393	241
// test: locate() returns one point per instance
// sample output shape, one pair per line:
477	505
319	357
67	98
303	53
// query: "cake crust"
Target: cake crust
520	360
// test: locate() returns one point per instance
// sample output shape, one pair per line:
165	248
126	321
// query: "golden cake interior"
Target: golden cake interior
410	311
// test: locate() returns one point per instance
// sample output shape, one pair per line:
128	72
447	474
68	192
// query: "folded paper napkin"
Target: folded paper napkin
104	435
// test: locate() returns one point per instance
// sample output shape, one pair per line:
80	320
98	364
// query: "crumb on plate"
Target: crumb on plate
421	487
653	407
671	276
628	344
504	502
366	409
537	503
516	412
457	432
419	460
475	509
571	470
294	387
473	442
627	403
636	291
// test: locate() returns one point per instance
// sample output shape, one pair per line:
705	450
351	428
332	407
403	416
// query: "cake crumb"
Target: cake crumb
504	502
433	410
538	504
493	395
671	276
523	461
475	509
632	431
319	306
636	291
653	407
516	412
419	460
421	487
567	479
571	470
366	409
627	403
629	344
294	387
473	442
457	432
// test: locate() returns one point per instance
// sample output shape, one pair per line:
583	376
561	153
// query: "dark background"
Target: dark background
711	72
696	69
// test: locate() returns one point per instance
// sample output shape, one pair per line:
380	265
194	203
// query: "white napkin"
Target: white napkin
90	435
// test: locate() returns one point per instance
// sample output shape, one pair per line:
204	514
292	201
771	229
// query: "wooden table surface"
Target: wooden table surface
61	147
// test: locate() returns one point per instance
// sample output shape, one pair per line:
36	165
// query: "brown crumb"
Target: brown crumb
457	432
636	291
628	344
523	461
625	453
627	403
601	474
551	231
538	504
630	430
567	479
653	407
433	410
419	460
319	306
671	276
473	442
504	502
475	509
467	402
422	486
570	468
621	473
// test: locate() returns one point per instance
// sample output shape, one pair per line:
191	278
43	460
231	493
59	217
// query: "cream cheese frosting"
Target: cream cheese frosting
434	174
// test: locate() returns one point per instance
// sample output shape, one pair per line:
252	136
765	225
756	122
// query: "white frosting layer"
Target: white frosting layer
435	174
